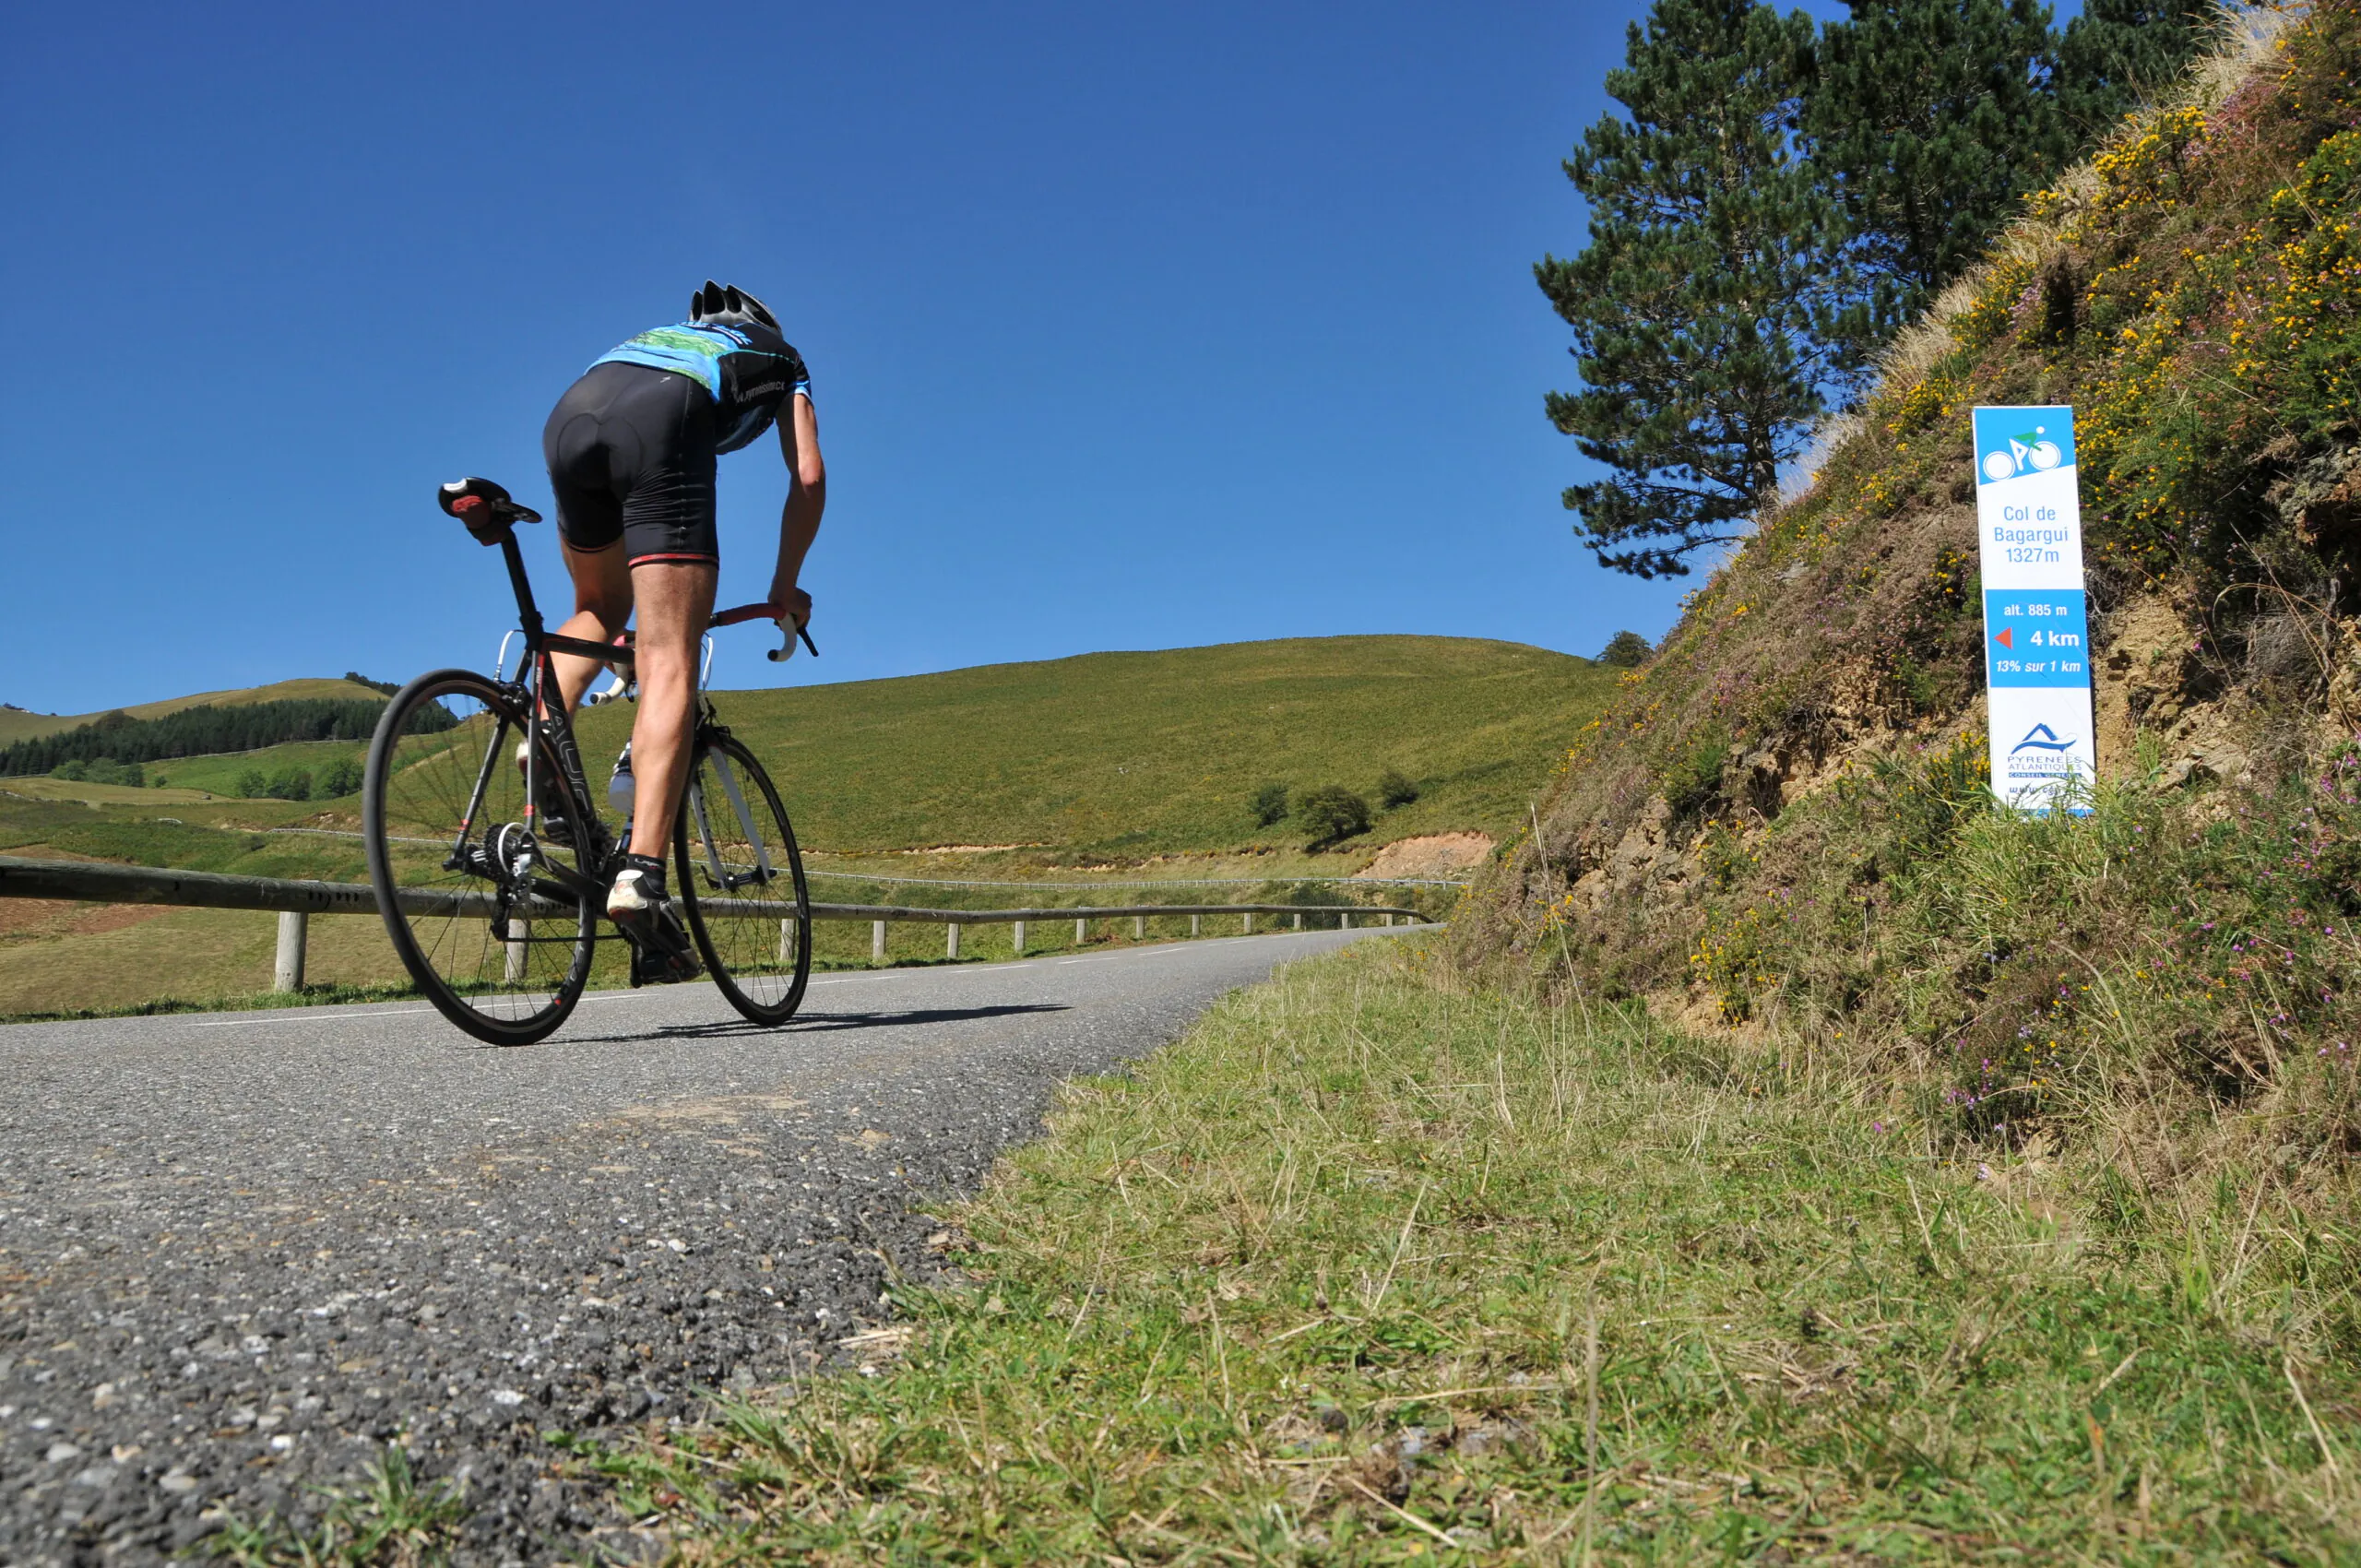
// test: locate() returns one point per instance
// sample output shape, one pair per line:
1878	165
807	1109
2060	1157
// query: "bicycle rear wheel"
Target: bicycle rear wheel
741	885
500	946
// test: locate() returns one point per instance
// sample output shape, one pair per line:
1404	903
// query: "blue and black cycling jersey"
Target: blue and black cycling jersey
748	370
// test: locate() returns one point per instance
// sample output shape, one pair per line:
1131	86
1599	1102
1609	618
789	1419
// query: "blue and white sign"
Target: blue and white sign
2037	619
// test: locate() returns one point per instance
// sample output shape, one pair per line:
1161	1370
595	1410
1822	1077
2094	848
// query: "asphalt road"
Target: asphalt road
239	1253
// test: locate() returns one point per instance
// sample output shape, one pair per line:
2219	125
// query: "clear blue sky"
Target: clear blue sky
1130	327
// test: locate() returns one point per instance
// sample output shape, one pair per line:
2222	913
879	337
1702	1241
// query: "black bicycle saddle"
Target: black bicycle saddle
484	506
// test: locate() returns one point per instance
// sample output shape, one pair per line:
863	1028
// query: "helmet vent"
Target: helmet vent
725	304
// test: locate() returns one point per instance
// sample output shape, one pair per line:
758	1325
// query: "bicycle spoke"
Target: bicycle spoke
465	879
741	885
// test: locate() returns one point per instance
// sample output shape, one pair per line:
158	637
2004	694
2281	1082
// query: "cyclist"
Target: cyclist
631	450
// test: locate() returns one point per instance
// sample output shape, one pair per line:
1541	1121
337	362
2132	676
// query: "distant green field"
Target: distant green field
1128	754
219	775
1122	755
16	726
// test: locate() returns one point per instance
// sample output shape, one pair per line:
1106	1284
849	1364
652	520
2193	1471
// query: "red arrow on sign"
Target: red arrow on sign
2005	636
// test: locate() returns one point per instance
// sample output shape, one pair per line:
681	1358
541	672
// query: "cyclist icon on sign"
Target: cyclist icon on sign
2026	451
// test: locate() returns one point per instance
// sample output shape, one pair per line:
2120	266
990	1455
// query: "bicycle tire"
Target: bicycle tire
764	977
421	795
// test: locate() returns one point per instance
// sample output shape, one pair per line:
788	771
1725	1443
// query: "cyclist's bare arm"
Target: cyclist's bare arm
807	497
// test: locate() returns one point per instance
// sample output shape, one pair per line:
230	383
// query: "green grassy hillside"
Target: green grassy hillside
1113	754
1782	836
1124	755
17	726
1104	759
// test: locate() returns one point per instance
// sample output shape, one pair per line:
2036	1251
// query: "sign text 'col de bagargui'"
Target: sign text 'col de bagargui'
2036	624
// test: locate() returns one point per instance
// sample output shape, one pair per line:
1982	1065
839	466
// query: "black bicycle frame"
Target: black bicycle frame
540	644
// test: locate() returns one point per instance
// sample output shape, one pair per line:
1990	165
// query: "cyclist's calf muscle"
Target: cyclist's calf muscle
675	601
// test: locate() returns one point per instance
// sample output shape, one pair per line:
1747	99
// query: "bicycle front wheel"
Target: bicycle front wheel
741	884
465	873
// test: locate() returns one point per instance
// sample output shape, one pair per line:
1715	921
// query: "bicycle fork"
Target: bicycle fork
762	873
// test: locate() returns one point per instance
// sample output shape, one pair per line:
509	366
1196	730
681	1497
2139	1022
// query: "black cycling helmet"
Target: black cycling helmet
725	304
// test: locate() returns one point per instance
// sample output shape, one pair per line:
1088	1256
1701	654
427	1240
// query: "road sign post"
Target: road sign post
2036	619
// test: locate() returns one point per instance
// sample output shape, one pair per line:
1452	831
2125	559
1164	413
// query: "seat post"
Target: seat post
528	616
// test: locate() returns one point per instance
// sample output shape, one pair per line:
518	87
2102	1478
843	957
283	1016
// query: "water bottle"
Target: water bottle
620	788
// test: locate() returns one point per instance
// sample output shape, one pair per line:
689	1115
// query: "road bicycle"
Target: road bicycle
490	859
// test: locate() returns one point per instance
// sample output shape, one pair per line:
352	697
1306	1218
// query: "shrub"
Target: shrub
1625	651
1394	788
340	779
291	784
1268	804
101	770
253	785
1330	813
358	679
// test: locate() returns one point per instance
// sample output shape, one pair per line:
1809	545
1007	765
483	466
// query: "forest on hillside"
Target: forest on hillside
205	730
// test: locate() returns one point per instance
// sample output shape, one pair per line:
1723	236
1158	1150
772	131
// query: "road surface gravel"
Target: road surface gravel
241	1253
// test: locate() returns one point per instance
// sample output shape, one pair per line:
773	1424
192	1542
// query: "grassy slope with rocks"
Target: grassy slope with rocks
1788	1152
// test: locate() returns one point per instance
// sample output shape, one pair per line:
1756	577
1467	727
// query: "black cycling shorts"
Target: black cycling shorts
629	450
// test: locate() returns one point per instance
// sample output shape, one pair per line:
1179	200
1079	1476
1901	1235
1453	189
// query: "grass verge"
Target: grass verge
1370	1269
255	1002
388	1520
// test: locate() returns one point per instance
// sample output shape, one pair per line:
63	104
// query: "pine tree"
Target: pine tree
2120	52
1714	307
1929	119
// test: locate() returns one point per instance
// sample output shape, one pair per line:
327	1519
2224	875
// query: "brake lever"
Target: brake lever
786	649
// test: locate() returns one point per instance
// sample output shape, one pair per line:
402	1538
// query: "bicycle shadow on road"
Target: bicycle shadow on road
826	1023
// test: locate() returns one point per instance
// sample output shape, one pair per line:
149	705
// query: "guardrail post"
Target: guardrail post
787	942
1249	924
1018	940
519	933
1193	924
1139	928
1349	923
877	939
287	973
1081	933
1299	922
951	945
1389	920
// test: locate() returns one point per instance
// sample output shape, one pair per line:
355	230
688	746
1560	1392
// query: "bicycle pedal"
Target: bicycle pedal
662	969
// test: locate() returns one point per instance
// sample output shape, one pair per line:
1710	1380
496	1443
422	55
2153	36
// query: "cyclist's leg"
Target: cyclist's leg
674	549
602	604
671	543
675	600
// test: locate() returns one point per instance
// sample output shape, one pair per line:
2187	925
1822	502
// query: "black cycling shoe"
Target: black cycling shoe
660	949
650	967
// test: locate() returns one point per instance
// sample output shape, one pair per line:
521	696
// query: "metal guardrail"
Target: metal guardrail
294	902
